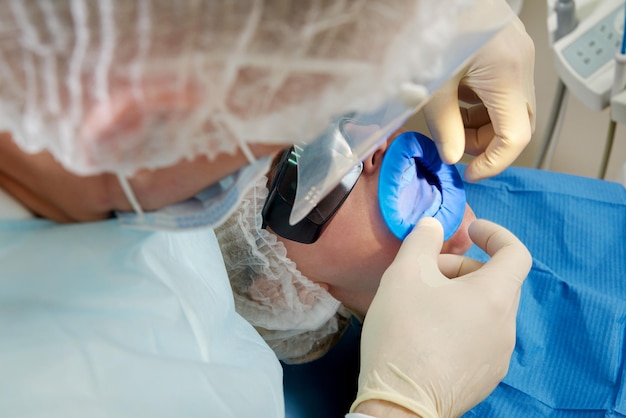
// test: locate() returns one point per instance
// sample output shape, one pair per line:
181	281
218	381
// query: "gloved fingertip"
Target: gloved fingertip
477	225
426	238
450	152
481	168
532	117
504	248
429	230
429	222
426	231
470	175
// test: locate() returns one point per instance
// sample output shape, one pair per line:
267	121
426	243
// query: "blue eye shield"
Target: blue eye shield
415	183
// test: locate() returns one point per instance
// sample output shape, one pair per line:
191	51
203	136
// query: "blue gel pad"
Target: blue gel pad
415	183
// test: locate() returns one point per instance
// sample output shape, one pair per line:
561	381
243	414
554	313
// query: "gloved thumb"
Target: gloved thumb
426	238
422	245
510	259
445	123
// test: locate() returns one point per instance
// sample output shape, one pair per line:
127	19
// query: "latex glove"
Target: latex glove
437	346
499	81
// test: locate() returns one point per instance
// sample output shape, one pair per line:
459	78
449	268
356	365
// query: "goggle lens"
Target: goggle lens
282	194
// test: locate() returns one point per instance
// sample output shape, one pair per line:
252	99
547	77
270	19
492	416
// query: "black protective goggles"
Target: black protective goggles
282	193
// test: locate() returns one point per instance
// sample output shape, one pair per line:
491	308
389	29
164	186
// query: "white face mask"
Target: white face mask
207	209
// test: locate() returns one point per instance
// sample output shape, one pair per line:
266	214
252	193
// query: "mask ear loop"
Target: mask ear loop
128	192
132	199
246	150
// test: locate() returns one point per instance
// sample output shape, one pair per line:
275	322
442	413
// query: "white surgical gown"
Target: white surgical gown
97	320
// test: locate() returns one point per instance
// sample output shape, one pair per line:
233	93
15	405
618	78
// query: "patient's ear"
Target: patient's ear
372	163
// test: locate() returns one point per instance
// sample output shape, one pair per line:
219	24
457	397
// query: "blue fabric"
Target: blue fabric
571	342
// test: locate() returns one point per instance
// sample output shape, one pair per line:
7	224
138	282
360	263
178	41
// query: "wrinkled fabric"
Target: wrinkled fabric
570	356
113	85
298	318
97	320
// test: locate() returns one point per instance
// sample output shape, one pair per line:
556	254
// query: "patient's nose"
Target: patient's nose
460	241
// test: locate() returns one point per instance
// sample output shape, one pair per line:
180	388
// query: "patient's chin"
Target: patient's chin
460	242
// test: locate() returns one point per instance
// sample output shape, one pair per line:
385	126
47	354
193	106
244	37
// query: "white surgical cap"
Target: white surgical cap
117	85
298	319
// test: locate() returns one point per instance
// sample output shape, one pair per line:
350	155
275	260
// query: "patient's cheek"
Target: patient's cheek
460	242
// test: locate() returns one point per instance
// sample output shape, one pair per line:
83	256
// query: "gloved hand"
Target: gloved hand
437	346
499	82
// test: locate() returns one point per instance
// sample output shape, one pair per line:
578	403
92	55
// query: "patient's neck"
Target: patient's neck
356	302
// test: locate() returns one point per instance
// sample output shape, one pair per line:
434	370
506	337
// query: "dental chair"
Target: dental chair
570	354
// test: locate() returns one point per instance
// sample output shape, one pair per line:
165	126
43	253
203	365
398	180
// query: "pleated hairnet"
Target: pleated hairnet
117	85
297	318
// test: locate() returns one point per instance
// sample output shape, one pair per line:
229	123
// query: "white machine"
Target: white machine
585	57
589	44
